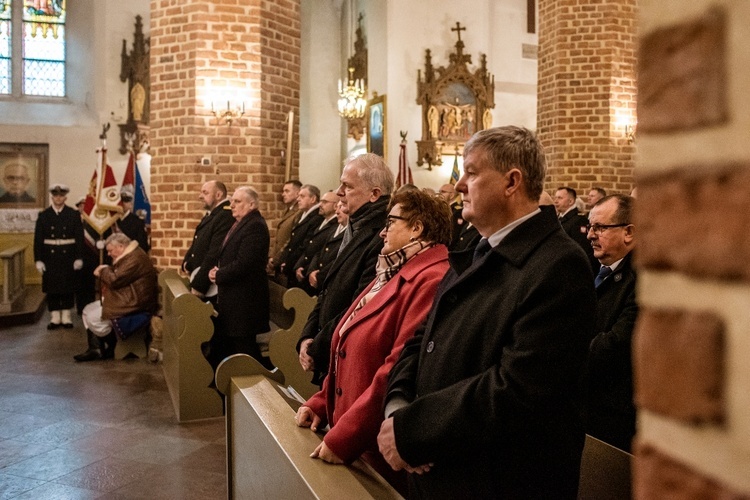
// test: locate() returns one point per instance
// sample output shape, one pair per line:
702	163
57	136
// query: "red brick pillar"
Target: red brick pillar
586	92
692	341
248	50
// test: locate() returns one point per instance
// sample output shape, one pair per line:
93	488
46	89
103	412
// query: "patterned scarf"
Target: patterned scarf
387	267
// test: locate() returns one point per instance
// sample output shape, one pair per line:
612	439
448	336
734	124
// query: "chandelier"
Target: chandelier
352	101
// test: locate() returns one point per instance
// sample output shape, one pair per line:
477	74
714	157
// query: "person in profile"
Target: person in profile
15	182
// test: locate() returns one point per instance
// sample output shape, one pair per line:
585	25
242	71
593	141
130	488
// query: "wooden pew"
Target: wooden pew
605	472
13	276
268	456
187	324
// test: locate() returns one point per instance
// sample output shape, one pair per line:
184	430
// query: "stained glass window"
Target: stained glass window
44	47
5	47
38	56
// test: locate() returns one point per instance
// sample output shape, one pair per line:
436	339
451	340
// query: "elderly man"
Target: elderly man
203	254
129	298
482	402
317	240
610	409
308	203
243	303
366	184
58	252
15	182
130	224
573	223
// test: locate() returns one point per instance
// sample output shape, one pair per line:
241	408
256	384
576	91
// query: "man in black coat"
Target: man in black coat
317	240
130	224
366	184
482	402
609	402
573	223
203	254
243	302
323	260
58	253
308	203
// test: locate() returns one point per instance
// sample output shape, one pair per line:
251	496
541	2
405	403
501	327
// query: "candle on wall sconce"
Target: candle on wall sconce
230	114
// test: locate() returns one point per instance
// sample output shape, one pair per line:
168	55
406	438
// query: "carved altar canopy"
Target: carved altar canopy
455	102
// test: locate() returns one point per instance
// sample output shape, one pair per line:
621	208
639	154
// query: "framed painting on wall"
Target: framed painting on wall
376	132
23	175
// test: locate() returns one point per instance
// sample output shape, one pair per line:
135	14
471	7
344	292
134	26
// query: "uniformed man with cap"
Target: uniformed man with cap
130	224
58	247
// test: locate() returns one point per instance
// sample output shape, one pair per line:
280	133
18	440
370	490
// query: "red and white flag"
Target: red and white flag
404	172
101	216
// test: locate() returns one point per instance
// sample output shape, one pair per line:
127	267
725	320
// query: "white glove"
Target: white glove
100	244
40	266
77	265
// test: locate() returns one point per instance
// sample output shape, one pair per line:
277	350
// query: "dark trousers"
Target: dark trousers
60	301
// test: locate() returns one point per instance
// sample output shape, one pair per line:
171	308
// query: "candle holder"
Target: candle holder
229	114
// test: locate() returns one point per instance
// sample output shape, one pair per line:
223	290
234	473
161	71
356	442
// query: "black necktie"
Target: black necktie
604	271
482	248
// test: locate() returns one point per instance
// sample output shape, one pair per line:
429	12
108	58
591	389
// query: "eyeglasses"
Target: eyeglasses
391	219
598	229
327	201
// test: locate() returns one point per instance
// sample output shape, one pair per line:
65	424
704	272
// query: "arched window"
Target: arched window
32	47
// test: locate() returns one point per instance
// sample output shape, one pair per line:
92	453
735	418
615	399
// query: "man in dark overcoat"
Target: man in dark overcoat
130	224
317	240
243	302
572	222
366	185
203	254
58	254
483	401
308	203
322	261
609	402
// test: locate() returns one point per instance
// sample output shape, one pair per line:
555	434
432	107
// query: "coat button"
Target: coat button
430	346
342	354
338	391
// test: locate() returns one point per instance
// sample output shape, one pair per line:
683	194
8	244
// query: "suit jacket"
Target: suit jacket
574	226
323	260
352	396
206	246
284	230
134	228
311	248
301	233
350	273
243	300
468	237
59	277
493	376
610	375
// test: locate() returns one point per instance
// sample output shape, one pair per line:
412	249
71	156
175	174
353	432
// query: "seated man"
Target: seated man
129	298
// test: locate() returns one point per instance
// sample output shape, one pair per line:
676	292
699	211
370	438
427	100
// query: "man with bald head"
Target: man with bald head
203	253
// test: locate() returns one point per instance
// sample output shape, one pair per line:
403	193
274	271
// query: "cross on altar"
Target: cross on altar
459	29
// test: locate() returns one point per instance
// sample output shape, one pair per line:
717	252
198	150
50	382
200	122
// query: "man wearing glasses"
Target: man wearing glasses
15	182
611	414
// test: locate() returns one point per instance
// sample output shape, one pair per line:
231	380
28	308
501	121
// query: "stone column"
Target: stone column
692	342
204	51
586	92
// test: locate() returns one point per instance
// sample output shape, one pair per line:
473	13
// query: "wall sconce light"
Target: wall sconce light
630	132
229	114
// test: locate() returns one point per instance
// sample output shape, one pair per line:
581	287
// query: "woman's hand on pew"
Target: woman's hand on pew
307	418
324	453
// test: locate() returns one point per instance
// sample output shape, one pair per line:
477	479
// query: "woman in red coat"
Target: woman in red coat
372	332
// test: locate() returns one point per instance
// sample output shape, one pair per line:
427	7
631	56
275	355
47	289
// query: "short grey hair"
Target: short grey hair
313	190
373	171
513	147
118	239
250	193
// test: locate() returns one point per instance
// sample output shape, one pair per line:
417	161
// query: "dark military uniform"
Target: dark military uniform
58	243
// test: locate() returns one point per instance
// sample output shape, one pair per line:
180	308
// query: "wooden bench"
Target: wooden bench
605	472
13	260
187	324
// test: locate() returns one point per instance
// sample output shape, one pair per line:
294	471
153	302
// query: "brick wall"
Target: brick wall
586	92
248	50
692	341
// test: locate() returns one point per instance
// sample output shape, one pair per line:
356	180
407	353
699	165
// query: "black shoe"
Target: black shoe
53	326
67	325
90	355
